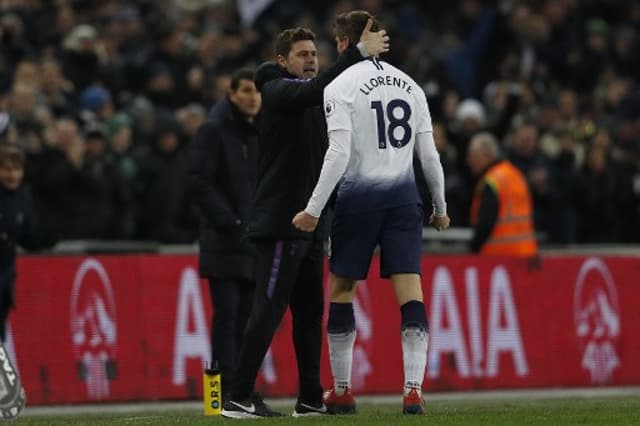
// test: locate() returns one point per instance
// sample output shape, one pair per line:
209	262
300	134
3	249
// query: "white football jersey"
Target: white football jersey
383	109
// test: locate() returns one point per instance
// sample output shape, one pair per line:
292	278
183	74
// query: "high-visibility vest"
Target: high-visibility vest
513	233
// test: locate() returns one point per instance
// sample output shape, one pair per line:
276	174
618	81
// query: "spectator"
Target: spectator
501	211
599	218
164	214
223	177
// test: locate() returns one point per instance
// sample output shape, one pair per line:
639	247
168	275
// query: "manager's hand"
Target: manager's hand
374	43
305	222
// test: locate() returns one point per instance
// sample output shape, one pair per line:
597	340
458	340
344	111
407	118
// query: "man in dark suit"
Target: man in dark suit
222	178
18	226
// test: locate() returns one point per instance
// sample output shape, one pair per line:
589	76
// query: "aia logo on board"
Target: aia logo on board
93	327
597	320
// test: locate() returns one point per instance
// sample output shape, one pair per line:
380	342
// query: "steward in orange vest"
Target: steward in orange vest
501	209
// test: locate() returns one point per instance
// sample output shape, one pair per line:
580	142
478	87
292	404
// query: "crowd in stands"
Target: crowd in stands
104	97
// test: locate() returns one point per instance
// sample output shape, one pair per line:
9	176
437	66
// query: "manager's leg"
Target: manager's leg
307	306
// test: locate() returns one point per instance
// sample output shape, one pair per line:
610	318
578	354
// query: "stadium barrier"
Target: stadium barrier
136	327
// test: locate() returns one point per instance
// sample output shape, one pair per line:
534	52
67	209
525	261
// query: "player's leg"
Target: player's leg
401	248
307	307
341	335
353	240
276	272
415	338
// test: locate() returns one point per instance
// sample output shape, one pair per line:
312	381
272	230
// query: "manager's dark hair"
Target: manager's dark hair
288	37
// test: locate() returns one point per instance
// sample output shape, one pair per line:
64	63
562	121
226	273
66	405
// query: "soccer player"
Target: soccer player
289	264
376	115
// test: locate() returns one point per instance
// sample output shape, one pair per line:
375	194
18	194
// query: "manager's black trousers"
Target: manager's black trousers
288	273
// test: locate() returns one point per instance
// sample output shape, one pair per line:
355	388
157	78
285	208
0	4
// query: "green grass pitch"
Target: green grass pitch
559	411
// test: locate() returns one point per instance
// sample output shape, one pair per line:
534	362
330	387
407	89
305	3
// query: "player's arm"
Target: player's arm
427	153
335	164
432	169
333	168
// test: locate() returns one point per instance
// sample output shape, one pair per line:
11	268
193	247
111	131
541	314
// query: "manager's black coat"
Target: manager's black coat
222	178
293	141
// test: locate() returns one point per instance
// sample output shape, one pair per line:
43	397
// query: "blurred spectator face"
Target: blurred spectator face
597	41
11	28
22	102
556	11
246	98
173	43
161	82
597	160
616	90
520	14
603	139
52	78
477	158
469	8
195	78
96	146
568	103
191	118
11	174
538	29
208	48
119	130
597	33
525	142
221	86
450	104
168	141
27	74
302	60
65	20
624	41
121	140
66	134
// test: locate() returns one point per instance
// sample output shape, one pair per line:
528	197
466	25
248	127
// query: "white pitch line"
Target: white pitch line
495	395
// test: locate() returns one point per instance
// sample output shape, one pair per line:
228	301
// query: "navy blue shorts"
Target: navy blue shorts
354	237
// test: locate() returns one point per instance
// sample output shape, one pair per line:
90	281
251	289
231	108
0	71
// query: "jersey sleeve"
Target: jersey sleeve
423	117
337	109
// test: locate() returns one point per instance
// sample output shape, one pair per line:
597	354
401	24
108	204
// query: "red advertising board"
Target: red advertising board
124	328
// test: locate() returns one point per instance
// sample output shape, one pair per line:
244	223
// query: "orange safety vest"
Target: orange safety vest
513	233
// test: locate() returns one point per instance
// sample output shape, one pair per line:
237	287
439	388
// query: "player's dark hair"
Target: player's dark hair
351	24
288	37
10	154
241	74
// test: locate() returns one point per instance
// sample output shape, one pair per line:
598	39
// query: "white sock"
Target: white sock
341	355
415	342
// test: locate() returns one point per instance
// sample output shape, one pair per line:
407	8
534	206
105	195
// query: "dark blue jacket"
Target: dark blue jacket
18	227
222	179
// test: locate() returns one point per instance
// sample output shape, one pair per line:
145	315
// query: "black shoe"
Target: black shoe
251	408
304	409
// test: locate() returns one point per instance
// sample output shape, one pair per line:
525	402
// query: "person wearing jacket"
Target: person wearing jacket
501	209
289	265
223	162
18	226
